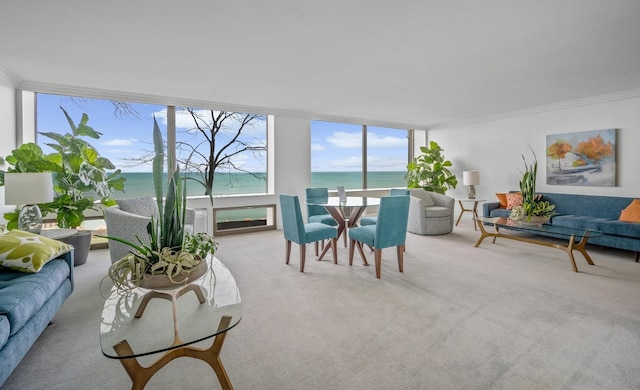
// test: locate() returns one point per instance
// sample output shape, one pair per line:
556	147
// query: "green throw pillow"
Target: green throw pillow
27	252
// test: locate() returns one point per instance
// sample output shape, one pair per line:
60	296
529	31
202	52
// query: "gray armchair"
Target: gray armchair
129	219
430	213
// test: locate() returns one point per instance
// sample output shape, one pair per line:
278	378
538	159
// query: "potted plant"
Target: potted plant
430	171
80	175
171	255
533	210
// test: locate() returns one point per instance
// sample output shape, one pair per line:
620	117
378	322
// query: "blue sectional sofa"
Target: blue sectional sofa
588	212
28	303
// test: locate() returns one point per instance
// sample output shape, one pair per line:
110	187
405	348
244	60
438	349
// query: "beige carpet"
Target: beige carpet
503	316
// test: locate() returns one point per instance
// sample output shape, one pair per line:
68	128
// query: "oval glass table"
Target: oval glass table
558	232
168	321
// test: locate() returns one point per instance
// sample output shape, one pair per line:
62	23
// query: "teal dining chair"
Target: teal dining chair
318	213
389	231
295	230
372	219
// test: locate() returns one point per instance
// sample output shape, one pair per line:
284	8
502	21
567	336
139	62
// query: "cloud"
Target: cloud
385	164
341	139
377	141
185	122
349	162
120	142
317	148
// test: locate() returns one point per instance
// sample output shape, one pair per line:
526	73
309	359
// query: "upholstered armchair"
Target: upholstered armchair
430	213
129	219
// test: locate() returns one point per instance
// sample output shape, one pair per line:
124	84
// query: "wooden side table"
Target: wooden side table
474	210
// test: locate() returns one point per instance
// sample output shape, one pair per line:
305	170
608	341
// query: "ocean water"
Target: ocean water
141	184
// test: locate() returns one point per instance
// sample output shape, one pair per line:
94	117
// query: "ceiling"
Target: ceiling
418	63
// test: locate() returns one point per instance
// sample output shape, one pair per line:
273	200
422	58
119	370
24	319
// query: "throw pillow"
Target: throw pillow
632	212
145	206
28	252
502	198
513	200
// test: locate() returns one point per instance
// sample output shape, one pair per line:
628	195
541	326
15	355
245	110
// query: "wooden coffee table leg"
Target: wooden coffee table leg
141	375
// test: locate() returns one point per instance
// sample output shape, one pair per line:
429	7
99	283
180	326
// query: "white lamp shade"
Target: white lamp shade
28	188
470	178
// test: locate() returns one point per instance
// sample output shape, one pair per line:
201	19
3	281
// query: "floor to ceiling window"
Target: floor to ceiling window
237	143
357	156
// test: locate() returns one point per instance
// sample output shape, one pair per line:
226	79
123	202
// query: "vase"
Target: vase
535	220
162	281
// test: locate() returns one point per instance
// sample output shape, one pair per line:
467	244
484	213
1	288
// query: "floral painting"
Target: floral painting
586	158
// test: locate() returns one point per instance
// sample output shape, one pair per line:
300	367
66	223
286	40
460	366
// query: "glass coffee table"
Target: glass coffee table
558	232
169	321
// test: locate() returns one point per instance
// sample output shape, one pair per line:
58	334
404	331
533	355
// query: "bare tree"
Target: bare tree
226	136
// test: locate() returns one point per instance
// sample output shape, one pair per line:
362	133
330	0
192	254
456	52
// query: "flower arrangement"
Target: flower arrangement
532	206
170	252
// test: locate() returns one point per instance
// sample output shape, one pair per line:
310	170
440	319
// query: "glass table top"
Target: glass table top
352	201
557	231
156	331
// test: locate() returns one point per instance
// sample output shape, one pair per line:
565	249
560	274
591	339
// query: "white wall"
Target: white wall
7	126
495	147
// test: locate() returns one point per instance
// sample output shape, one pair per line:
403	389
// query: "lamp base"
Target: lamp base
30	219
471	192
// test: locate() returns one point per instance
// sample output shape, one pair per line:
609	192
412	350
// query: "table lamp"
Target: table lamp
28	189
471	179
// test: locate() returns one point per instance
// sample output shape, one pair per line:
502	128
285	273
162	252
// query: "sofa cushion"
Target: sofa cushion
632	212
23	294
28	252
5	331
618	228
436	212
577	222
500	213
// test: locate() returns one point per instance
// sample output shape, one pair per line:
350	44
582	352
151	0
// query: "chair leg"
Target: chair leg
378	254
400	257
316	244
287	251
637	256
351	244
334	249
303	254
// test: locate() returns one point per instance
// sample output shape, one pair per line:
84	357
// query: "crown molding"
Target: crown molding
568	104
8	78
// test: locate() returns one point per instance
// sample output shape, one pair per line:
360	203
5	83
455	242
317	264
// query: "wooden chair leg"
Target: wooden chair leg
287	251
400	257
303	254
334	249
378	254
351	247
317	244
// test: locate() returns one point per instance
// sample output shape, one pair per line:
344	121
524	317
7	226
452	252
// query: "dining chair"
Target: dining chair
390	230
295	230
372	219
319	213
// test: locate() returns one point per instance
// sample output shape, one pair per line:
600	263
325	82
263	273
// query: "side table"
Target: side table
474	210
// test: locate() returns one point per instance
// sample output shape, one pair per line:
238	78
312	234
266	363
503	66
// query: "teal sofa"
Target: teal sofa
593	212
28	303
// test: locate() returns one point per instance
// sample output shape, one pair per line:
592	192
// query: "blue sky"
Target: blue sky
335	146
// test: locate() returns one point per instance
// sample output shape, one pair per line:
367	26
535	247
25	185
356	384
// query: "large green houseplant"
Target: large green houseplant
80	177
80	174
170	253
533	209
431	170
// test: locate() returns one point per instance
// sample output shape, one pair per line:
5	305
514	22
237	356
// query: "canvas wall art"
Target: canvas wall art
586	158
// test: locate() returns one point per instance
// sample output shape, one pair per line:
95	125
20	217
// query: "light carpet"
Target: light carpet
508	315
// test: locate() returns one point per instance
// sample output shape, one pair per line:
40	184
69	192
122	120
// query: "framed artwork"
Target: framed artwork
586	158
